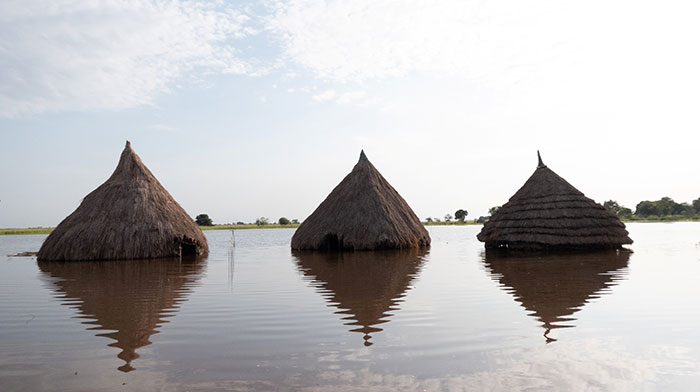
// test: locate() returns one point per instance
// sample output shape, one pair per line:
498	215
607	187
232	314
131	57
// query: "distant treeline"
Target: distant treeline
665	209
205	221
662	209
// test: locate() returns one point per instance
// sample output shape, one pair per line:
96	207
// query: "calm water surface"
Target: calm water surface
259	317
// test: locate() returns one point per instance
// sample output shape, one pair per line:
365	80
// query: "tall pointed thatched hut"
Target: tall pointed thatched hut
130	216
549	214
364	212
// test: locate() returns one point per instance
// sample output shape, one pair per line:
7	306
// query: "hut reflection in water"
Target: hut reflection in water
364	286
129	298
554	287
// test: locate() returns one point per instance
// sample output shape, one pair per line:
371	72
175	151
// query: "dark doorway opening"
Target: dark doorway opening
331	243
188	249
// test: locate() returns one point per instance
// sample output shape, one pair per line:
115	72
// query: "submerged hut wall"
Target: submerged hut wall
364	212
548	213
130	216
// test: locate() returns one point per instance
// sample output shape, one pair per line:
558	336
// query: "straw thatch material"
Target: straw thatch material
549	214
366	287
364	212
126	301
130	216
554	287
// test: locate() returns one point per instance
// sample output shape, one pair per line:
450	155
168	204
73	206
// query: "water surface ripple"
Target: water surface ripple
256	316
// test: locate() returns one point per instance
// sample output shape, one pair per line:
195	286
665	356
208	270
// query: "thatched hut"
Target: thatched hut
549	214
126	301
366	287
364	212
552	288
130	216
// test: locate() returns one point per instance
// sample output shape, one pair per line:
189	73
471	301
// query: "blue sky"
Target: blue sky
250	109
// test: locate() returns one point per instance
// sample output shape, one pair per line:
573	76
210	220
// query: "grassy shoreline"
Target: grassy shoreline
27	230
47	230
246	227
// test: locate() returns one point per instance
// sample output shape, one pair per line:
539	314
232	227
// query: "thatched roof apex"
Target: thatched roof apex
129	216
549	213
539	160
364	212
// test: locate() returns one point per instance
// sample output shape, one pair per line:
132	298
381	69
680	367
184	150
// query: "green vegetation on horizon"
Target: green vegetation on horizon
29	230
451	223
249	226
662	210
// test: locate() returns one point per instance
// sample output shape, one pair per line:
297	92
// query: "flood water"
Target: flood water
256	316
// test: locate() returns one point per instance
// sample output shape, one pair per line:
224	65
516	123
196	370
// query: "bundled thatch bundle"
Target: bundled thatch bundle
548	213
366	287
130	216
364	212
127	301
554	287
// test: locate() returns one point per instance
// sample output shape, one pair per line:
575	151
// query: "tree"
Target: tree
493	210
665	206
696	205
203	220
284	221
460	215
262	221
615	208
429	219
612	206
684	209
624	212
482	219
448	218
295	221
646	208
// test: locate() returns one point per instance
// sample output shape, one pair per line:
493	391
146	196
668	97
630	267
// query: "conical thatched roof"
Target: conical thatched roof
554	287
548	213
366	287
126	301
130	216
364	212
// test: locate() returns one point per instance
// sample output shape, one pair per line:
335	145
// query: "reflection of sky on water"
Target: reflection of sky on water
589	364
257	322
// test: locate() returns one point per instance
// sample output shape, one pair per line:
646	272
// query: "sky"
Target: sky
248	109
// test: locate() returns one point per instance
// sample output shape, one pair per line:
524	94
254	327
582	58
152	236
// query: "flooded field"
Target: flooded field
256	316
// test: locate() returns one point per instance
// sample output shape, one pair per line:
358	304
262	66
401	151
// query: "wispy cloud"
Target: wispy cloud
327	95
67	55
163	128
340	97
368	39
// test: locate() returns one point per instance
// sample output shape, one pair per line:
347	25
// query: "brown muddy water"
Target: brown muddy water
256	317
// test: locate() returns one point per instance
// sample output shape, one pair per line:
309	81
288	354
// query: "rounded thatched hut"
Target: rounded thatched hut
364	212
549	214
130	216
